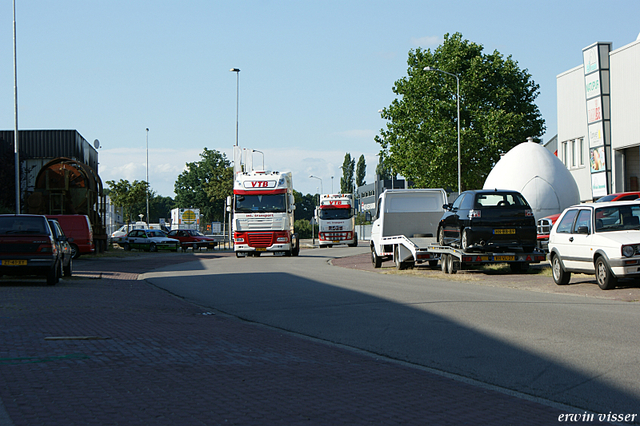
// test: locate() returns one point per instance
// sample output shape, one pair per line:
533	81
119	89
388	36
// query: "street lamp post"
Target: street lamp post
255	150
237	71
147	176
458	108
315	177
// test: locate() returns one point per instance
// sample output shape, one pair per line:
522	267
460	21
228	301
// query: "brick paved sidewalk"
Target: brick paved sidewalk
104	348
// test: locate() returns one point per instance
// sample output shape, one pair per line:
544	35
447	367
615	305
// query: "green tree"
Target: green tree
127	195
346	181
496	106
361	172
305	206
205	184
383	171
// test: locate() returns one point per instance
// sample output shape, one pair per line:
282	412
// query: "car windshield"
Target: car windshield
500	199
618	218
155	233
260	203
25	225
335	214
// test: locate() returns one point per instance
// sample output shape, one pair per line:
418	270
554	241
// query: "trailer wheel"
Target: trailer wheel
377	262
452	264
396	258
444	263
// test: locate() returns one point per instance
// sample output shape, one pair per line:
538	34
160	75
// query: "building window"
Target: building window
574	153
565	154
581	152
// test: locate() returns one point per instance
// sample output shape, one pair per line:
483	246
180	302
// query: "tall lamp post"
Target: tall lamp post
255	150
16	153
237	71
315	177
147	176
458	107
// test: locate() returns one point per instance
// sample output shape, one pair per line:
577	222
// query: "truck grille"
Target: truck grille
544	226
261	240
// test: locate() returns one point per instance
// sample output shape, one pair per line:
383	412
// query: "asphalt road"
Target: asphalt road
570	349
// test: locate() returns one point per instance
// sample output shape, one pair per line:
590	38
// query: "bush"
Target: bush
303	228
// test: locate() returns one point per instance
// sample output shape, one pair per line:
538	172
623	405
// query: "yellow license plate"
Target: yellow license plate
503	258
503	231
14	263
336	242
261	249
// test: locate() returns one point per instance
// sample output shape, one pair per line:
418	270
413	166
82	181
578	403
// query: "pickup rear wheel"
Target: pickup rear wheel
375	260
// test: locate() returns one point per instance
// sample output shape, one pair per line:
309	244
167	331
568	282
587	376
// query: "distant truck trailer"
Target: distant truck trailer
185	219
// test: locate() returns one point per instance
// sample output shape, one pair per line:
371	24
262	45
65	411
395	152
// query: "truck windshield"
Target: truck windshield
260	203
335	214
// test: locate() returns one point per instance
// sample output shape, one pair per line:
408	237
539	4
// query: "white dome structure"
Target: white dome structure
538	175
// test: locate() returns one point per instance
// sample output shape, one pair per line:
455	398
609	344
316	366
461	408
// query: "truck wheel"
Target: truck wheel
604	276
396	258
239	255
377	262
296	250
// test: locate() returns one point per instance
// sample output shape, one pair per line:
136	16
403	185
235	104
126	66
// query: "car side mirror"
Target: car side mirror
583	230
446	206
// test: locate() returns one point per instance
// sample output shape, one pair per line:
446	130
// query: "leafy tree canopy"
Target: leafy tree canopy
205	184
346	181
361	172
127	195
497	112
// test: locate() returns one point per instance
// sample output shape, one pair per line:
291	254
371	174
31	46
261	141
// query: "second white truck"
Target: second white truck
336	220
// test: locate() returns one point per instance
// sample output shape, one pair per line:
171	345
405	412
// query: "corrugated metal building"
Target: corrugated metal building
38	147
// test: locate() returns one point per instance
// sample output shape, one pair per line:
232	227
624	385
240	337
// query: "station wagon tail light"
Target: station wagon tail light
528	213
474	213
630	250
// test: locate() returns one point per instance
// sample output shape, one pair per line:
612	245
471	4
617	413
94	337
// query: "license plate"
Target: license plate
14	263
504	258
503	231
261	249
336	242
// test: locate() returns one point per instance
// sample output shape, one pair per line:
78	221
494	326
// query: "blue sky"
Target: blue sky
313	73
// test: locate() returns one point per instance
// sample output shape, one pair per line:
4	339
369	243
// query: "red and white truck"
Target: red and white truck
336	220
263	206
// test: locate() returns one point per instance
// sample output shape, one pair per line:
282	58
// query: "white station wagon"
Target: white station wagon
597	238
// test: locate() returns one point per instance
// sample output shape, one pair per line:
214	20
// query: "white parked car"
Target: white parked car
597	238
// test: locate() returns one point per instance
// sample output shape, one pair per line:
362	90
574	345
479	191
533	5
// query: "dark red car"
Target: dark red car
192	238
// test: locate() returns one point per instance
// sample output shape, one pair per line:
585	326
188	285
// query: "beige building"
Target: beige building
599	120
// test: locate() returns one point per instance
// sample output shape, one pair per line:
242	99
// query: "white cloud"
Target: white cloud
427	41
166	164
